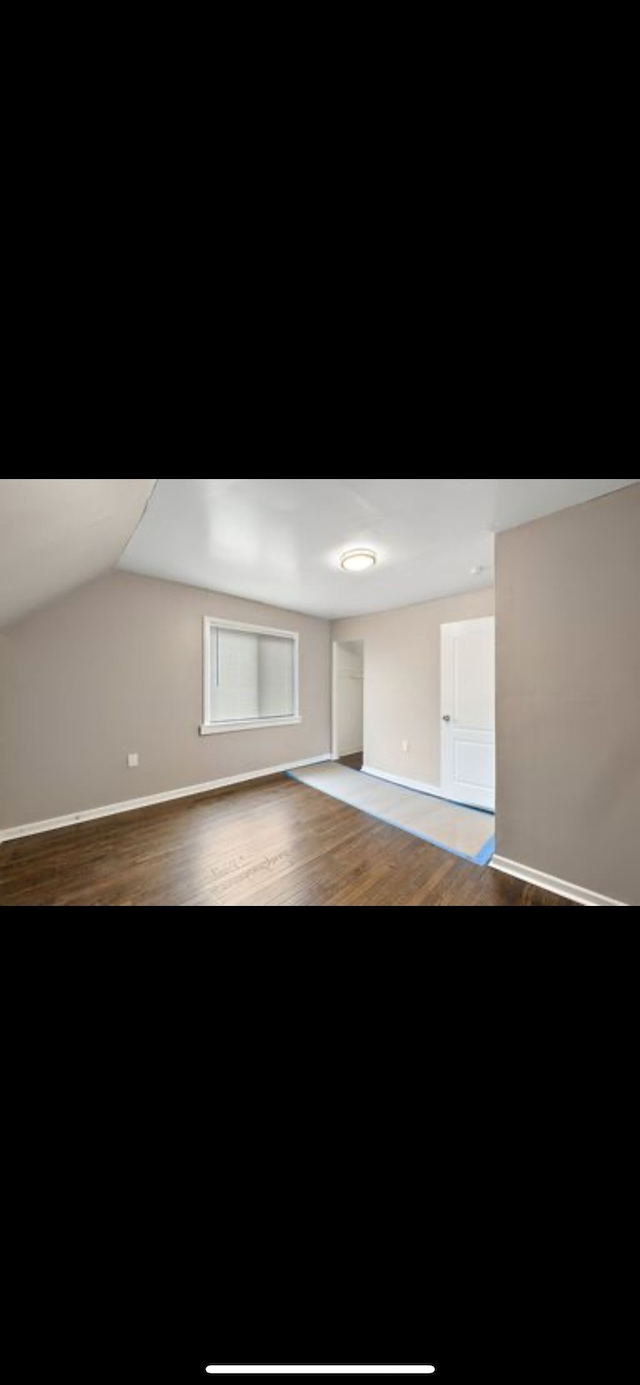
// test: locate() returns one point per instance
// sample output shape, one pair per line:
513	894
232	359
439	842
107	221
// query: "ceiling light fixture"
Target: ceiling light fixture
358	560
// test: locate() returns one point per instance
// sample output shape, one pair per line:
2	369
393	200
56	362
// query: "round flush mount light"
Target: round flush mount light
358	560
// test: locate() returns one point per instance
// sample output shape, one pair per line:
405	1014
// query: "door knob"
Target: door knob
446	718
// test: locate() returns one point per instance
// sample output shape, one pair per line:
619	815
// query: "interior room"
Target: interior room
319	693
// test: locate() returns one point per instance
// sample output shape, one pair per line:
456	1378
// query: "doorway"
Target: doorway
348	702
469	712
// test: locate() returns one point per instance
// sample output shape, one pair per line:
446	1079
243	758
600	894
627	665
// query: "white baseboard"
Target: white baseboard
404	783
434	790
33	829
549	882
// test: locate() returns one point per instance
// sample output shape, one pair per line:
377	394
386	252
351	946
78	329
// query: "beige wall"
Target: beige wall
116	667
568	604
402	688
349	684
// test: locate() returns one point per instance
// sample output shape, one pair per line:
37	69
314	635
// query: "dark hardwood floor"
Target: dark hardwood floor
353	761
271	843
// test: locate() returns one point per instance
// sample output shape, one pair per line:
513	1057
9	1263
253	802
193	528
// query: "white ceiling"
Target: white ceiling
55	535
281	541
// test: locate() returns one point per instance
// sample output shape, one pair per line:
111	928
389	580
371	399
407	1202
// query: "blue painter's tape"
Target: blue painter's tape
483	857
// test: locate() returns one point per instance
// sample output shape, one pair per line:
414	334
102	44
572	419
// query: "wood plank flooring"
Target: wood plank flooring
352	761
271	843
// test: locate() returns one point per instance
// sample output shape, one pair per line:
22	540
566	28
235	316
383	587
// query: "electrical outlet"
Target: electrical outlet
405	747
134	762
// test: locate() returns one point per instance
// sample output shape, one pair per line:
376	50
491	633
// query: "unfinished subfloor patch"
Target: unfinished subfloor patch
466	832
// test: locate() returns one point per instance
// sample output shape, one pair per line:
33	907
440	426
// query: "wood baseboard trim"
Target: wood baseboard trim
575	893
34	829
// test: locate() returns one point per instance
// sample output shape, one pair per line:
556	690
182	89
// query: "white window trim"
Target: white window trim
222	728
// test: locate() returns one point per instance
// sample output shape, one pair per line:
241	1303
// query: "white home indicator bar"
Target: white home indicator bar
321	1370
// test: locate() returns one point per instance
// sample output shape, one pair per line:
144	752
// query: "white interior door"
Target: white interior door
469	712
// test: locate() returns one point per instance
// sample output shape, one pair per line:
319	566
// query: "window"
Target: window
250	677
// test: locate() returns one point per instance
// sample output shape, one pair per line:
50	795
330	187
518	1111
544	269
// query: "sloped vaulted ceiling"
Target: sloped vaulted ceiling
55	535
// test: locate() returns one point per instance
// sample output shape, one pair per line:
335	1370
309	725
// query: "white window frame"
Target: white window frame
221	728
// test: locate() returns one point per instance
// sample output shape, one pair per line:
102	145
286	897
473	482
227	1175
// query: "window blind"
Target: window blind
252	676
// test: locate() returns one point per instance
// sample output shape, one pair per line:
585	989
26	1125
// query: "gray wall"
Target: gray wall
402	687
568	606
116	667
